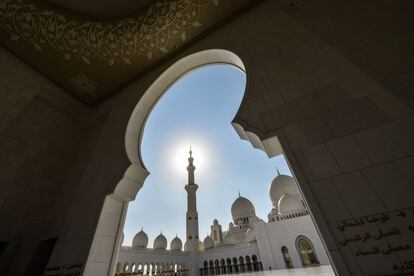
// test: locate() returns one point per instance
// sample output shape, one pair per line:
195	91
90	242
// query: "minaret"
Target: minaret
192	218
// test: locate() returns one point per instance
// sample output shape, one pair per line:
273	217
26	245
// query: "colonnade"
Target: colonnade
165	269
231	266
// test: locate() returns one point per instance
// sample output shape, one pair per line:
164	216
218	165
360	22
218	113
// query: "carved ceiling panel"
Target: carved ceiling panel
91	57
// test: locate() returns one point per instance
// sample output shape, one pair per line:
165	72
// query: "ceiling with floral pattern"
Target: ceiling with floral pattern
93	56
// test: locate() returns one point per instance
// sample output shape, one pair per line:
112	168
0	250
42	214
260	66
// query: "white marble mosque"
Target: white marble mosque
288	240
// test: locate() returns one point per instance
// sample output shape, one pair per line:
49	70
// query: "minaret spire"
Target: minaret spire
191	168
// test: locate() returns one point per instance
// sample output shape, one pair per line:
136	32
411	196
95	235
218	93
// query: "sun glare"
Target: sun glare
181	154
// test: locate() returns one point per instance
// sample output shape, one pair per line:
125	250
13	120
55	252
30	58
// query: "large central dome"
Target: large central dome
241	208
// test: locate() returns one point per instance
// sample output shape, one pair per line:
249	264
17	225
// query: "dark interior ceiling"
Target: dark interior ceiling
102	8
91	48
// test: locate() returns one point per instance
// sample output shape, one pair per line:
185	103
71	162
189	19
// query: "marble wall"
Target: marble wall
46	137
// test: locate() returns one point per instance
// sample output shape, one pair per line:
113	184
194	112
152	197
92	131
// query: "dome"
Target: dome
140	240
208	242
176	244
250	235
215	221
282	184
160	242
289	204
242	207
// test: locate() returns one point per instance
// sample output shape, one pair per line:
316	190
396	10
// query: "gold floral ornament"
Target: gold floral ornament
119	40
83	84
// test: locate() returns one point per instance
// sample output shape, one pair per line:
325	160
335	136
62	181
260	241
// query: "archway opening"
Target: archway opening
286	257
307	252
137	173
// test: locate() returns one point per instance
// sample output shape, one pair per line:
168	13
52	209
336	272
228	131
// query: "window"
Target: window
306	252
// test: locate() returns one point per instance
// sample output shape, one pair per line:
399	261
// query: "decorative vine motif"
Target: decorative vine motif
83	84
121	40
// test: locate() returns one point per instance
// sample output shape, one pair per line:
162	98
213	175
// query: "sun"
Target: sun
181	154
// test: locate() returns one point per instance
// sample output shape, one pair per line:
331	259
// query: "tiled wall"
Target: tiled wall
43	138
375	35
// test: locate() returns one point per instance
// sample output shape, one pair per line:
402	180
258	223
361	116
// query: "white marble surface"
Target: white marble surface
325	270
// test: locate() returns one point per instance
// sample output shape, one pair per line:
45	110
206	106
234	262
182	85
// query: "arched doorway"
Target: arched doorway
241	264
223	266
205	268
286	257
229	266
126	267
248	264
256	266
135	175
306	252
235	265
211	268
217	267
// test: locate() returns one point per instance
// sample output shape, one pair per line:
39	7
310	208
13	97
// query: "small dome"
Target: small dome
241	208
140	240
289	204
208	242
215	221
250	235
160	242
282	184
176	244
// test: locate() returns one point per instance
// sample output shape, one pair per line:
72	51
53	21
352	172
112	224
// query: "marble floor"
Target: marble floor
325	270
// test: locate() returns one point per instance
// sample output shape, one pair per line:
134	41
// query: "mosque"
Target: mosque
287	240
329	85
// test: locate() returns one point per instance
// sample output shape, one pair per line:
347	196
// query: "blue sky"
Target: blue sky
197	111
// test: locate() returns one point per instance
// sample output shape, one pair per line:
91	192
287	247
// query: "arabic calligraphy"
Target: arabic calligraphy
74	269
387	251
380	236
361	221
404	266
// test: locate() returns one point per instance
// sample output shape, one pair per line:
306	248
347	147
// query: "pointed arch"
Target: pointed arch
286	257
306	251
